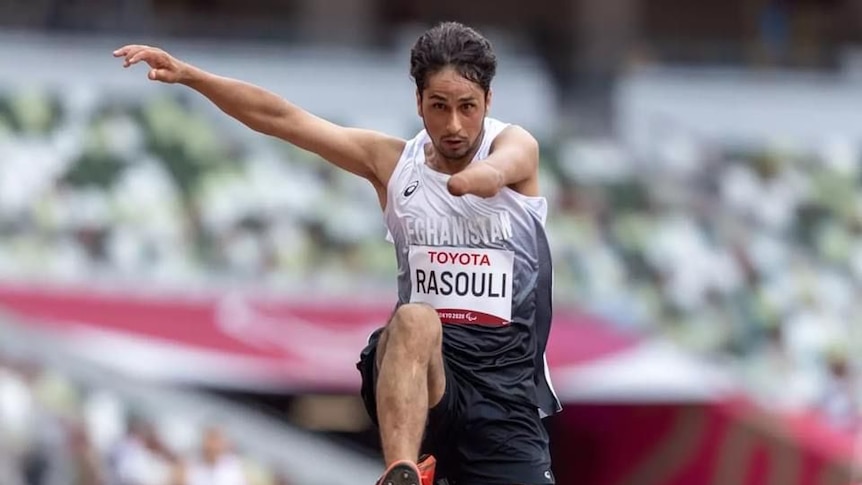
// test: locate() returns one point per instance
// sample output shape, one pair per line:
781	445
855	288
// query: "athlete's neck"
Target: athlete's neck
451	166
448	165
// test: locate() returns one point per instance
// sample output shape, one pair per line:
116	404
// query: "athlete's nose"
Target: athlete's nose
454	125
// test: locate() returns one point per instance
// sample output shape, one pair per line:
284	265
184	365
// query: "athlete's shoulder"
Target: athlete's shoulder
494	126
498	126
386	154
421	136
414	145
407	154
496	122
498	132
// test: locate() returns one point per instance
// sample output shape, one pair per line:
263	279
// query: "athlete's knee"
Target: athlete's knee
416	323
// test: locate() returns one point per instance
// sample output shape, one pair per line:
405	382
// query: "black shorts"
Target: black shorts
476	440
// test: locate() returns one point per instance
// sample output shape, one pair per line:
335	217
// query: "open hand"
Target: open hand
163	66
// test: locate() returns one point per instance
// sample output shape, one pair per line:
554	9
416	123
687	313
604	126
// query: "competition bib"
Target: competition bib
468	286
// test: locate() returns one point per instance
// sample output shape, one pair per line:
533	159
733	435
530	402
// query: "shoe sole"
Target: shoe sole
401	475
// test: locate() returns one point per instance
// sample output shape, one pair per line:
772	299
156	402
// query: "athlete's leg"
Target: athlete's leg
410	379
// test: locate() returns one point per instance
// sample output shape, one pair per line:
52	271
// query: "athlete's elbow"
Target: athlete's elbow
269	126
257	119
274	123
269	115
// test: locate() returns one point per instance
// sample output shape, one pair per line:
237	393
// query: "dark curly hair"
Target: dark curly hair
452	44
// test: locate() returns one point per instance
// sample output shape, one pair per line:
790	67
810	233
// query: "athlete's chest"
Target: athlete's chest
428	214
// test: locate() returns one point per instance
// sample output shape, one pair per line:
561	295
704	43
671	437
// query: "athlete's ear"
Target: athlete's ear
419	103
488	96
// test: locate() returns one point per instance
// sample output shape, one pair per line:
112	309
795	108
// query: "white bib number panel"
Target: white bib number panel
466	286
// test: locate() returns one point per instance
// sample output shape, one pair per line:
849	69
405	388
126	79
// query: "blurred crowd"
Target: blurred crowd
746	254
156	190
751	255
56	431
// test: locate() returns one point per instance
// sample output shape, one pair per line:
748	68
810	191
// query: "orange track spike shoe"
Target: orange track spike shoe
427	467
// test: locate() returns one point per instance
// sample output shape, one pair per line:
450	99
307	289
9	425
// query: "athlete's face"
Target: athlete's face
453	110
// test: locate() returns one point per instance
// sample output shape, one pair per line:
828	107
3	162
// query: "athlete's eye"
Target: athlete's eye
440	106
468	107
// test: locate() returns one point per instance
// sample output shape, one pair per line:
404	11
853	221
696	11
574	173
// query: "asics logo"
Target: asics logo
411	188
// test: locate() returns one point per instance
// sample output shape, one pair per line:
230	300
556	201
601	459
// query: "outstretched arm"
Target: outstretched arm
366	153
513	162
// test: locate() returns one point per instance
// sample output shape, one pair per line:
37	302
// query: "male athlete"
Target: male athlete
459	370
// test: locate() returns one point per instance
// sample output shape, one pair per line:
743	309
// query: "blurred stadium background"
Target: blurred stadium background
182	301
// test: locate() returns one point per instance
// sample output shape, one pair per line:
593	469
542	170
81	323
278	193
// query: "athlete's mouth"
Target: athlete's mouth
453	143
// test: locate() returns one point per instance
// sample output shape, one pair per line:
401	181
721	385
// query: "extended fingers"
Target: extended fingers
132	53
122	51
129	49
138	56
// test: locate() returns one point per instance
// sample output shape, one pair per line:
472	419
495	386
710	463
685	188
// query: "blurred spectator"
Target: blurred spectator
45	440
217	464
139	458
839	400
87	464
